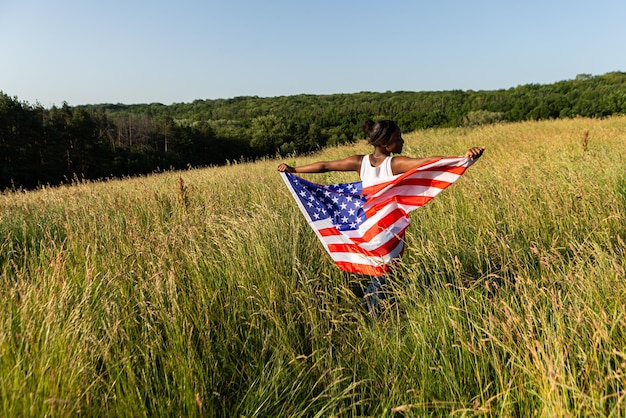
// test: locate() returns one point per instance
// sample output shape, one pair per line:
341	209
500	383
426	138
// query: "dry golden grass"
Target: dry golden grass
204	292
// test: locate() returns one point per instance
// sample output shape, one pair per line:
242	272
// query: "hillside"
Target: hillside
52	146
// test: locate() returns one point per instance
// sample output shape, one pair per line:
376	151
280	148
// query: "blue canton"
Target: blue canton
342	203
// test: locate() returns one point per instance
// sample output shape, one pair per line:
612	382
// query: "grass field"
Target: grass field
205	293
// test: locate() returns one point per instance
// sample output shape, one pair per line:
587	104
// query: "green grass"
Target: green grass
205	293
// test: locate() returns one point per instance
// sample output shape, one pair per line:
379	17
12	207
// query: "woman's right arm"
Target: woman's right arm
402	164
352	163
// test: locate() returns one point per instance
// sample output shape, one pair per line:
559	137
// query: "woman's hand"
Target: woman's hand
286	168
474	153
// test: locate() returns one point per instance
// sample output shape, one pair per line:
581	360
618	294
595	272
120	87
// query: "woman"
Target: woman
386	138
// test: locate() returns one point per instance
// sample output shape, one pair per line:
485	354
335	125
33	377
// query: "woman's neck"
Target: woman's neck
380	152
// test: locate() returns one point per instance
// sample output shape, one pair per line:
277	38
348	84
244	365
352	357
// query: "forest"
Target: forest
40	146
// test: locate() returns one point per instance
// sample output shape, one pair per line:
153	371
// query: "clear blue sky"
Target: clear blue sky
139	51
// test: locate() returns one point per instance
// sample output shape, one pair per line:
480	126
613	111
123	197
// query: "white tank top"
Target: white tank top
369	172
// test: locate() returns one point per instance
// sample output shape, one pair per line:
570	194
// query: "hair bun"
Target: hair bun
368	125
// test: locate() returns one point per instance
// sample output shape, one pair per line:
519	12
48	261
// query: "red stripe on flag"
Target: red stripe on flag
416	201
328	232
454	169
363	268
384	223
381	251
423	182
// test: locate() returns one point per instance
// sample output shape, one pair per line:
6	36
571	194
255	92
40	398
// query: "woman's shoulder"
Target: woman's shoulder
357	158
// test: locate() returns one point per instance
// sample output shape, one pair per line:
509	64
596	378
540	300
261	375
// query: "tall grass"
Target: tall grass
205	293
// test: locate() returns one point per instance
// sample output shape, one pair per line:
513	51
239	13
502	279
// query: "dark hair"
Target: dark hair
379	133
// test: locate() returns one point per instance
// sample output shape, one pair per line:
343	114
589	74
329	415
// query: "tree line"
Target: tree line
60	144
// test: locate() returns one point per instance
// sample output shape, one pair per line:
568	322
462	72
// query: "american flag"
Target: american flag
362	224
